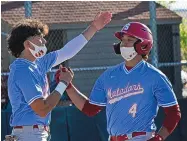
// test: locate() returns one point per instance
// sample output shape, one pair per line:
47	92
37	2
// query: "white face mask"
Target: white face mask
128	53
39	51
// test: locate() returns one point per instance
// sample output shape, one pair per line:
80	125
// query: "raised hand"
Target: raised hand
101	19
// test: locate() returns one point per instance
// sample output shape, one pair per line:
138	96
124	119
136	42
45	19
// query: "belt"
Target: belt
46	128
126	136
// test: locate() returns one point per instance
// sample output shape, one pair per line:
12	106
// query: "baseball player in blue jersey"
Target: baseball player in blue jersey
28	88
132	91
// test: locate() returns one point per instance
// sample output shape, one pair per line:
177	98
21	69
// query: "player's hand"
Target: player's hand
157	137
101	19
61	70
65	74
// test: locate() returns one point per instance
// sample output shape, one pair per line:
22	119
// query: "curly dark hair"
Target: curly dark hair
23	30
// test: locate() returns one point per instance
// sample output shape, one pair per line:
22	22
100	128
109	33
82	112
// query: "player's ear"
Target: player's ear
27	44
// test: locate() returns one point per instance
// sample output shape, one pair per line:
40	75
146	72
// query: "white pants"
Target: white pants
28	133
141	137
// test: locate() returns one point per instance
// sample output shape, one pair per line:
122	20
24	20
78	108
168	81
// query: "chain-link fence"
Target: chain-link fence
65	21
177	58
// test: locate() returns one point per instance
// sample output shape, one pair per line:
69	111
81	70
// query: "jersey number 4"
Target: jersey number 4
133	110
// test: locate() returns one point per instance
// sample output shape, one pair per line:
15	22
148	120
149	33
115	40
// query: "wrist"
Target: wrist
93	27
61	87
90	31
159	137
65	82
69	86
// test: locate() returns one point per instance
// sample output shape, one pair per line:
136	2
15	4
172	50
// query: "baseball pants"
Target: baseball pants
140	138
28	133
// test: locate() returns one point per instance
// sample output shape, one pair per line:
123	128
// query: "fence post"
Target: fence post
153	26
28	9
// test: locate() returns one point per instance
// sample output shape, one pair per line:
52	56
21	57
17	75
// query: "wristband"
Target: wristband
66	83
61	87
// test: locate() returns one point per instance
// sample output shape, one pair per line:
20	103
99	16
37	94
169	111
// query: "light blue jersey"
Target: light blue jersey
27	82
132	97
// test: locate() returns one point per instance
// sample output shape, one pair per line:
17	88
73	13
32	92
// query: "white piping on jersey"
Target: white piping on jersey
97	103
34	98
169	104
137	65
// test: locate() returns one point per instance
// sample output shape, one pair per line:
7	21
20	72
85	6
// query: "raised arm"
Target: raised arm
76	44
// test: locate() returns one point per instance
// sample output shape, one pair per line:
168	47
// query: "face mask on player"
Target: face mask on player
39	51
128	53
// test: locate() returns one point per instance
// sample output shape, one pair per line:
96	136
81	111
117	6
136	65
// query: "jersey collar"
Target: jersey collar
27	62
134	68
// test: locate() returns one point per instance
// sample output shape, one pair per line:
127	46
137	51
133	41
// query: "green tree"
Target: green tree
183	31
183	39
166	3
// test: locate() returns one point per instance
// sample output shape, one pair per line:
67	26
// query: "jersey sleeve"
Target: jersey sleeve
29	87
47	61
163	92
98	93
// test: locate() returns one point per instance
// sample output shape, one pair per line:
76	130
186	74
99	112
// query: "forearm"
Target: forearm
89	32
70	49
91	109
75	45
77	97
171	120
50	102
82	102
163	132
